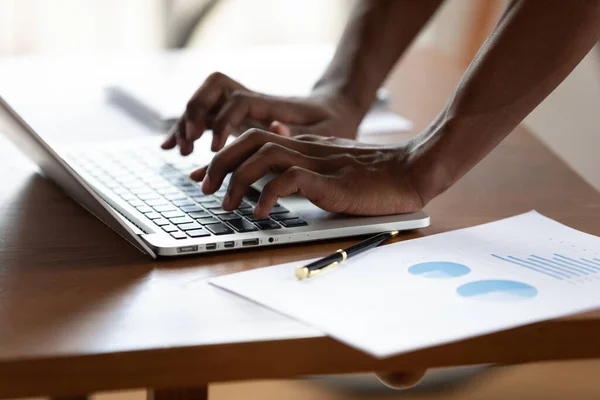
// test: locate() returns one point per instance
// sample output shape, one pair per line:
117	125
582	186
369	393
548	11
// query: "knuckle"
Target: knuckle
294	173
215	78
239	96
254	134
270	149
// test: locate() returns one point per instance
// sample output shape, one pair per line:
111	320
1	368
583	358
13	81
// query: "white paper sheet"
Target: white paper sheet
439	289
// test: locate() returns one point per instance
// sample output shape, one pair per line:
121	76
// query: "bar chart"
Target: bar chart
557	266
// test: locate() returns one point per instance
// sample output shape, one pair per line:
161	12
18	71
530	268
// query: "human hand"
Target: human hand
337	175
227	107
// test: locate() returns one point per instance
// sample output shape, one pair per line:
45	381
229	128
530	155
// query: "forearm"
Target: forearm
534	46
377	34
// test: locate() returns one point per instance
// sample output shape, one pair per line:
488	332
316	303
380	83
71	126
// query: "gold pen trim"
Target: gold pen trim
303	272
344	255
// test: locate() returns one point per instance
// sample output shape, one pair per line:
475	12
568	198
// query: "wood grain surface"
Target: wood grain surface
81	310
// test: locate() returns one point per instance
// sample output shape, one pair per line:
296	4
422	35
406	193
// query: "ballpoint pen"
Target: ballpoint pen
331	261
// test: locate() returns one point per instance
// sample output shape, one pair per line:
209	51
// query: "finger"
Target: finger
171	140
309	184
208	95
280	129
185	148
199	174
169	143
270	157
219	140
229	158
243	105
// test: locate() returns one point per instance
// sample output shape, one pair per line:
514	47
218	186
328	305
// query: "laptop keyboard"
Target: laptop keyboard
162	190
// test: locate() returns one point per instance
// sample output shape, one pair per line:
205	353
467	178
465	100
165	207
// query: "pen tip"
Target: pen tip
301	273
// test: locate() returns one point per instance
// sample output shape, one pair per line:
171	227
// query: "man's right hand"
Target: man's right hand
229	108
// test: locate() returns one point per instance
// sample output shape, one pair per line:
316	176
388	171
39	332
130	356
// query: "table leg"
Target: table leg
198	393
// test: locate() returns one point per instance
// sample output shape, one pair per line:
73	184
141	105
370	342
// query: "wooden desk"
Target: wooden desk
82	311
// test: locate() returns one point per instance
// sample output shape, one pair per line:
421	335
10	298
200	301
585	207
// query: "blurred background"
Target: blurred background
568	122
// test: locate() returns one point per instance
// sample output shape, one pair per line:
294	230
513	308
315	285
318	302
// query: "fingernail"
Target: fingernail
226	200
205	184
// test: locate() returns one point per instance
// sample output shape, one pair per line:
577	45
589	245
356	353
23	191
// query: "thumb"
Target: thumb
279	128
290	130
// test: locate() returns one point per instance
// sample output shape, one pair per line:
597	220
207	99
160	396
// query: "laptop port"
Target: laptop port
211	246
229	245
250	242
187	249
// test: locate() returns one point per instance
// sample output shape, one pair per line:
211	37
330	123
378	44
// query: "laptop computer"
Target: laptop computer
144	194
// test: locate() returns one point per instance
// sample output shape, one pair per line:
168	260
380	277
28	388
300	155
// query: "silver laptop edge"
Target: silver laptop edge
55	168
151	239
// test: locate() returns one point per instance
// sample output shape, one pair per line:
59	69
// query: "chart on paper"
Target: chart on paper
441	288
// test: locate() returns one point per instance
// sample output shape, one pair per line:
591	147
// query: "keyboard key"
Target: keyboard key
203	199
219	229
212	205
158	202
199	214
208	221
252	218
290	223
145	209
278	210
183	202
190	226
165	208
220	194
246	211
284	216
161	221
173	214
169	228
241	225
193	208
198	233
244	205
219	211
252	195
192	191
153	215
136	203
129	197
171	192
149	196
229	216
181	220
179	235
141	191
267	224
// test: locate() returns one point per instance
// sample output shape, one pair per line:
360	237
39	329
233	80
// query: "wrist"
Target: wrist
343	108
428	167
354	98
